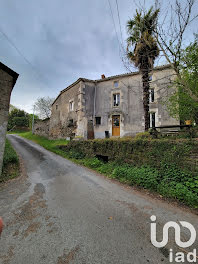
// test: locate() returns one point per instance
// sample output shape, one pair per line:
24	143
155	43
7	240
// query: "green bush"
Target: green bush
10	163
21	121
10	155
139	151
76	155
93	163
192	184
145	177
143	135
178	191
107	168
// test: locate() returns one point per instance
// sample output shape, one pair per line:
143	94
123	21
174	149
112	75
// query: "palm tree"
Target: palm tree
142	50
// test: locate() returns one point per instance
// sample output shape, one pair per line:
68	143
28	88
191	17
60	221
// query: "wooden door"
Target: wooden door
116	125
90	130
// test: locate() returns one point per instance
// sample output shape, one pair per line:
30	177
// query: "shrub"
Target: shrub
145	177
192	184
107	168
76	155
178	191
10	155
10	163
93	163
143	135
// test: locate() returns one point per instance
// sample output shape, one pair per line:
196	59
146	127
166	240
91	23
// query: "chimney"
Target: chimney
103	76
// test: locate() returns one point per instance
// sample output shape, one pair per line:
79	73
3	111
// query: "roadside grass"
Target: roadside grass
51	145
167	179
15	132
10	168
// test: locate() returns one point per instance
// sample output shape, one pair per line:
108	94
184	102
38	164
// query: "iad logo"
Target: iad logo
179	256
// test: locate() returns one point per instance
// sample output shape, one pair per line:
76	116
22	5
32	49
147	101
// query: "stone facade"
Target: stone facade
41	127
7	82
63	120
95	107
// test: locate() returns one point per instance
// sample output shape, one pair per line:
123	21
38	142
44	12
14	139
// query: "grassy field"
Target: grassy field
10	163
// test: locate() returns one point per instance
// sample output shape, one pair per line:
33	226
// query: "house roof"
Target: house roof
158	68
10	72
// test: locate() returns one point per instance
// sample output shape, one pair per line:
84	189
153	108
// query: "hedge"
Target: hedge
155	153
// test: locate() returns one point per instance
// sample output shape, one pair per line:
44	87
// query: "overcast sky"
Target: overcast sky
63	40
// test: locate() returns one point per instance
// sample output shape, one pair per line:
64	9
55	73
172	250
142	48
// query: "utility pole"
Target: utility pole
33	121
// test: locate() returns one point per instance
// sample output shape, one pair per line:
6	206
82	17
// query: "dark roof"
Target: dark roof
158	68
10	72
167	66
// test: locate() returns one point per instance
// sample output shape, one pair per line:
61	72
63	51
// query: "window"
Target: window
116	121
71	106
116	99
116	84
150	78
152	96
56	107
152	119
98	120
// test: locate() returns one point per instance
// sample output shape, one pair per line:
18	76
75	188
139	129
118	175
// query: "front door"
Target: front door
116	125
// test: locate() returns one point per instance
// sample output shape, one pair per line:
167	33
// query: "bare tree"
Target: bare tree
43	107
170	34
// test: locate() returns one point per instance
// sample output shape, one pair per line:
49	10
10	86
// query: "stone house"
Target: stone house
8	79
111	106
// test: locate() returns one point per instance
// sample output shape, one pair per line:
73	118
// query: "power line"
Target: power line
121	46
21	54
114	24
119	22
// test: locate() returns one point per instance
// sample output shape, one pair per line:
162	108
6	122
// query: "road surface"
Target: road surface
61	213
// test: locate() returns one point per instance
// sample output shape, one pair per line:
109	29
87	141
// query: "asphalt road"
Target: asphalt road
59	213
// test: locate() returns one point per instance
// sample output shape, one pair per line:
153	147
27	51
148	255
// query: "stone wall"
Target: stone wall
63	120
161	82
6	86
41	127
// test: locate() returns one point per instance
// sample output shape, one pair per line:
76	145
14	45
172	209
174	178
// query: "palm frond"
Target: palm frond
142	44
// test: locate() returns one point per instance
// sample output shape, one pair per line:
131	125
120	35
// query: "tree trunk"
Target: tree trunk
146	86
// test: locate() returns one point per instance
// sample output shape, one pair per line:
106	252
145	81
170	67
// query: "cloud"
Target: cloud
63	40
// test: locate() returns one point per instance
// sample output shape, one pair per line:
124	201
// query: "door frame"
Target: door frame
118	127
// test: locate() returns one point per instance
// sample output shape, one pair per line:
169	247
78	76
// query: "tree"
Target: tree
43	107
181	104
142	49
18	118
170	35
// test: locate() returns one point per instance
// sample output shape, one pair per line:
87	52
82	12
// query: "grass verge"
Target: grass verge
10	168
51	145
